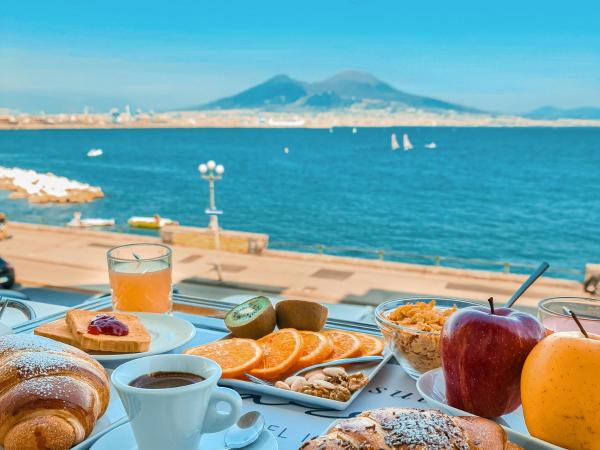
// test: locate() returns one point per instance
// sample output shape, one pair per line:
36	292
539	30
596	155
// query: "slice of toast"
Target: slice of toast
138	339
57	330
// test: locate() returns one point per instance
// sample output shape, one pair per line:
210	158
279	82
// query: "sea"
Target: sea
482	197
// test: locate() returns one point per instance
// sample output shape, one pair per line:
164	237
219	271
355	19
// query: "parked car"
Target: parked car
7	274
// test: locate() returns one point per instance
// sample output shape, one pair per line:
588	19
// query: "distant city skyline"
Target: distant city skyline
507	56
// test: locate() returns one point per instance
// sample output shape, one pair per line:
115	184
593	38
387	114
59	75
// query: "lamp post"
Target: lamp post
212	172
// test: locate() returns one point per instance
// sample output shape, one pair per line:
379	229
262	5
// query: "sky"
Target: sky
505	56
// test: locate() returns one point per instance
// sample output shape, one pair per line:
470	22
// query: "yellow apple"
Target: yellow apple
560	390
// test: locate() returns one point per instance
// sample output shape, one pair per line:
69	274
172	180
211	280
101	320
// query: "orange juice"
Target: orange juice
143	286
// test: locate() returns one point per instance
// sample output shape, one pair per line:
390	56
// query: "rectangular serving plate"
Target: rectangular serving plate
370	371
218	331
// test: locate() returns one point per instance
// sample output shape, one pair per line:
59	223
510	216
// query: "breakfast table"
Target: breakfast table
291	423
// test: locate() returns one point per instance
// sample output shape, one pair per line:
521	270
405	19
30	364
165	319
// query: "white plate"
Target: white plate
122	438
370	371
432	387
167	333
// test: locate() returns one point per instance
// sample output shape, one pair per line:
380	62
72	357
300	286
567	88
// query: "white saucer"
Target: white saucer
432	387
167	333
122	438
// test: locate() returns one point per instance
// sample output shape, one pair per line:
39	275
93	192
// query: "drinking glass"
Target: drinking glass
552	312
140	278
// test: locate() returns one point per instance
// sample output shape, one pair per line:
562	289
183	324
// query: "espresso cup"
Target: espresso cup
175	418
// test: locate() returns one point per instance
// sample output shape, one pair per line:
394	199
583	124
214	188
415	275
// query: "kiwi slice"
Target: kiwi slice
252	319
301	315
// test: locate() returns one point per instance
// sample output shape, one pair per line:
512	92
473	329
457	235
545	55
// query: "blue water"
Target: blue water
521	195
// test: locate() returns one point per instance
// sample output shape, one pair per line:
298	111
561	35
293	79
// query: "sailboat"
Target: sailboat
395	145
354	130
406	143
431	145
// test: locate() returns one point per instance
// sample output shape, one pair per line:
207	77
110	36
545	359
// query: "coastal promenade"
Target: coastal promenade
75	260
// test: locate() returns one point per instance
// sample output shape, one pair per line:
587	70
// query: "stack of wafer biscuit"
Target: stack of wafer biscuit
73	328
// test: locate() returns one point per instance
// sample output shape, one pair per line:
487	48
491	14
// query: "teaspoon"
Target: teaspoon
245	431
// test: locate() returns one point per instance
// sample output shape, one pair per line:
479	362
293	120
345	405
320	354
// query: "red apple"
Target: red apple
483	351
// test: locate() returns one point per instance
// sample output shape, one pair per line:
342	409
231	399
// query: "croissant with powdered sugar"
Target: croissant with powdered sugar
51	394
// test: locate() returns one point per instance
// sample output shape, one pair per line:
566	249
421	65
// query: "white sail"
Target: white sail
395	145
406	143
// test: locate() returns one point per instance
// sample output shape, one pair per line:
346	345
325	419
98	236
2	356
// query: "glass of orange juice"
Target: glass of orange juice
140	277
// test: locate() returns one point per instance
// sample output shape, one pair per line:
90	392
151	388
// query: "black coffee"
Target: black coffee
163	380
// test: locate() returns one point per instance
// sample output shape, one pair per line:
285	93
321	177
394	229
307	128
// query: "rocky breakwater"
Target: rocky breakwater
46	187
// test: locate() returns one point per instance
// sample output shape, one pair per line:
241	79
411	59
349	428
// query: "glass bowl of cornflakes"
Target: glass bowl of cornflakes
411	328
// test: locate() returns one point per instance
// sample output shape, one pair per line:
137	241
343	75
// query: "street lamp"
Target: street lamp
211	172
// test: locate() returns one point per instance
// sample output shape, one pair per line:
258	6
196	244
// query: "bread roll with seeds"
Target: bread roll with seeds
51	394
412	429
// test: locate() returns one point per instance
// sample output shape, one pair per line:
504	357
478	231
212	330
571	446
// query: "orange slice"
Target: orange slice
316	347
345	344
281	351
235	356
369	345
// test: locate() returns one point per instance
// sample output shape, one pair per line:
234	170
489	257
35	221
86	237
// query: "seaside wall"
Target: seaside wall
230	241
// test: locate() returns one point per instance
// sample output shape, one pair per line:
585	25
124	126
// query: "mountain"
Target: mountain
279	90
346	89
551	112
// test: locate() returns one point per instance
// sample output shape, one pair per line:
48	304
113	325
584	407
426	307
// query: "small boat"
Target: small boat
286	150
431	145
88	223
354	130
78	222
286	123
95	152
395	145
151	223
406	143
